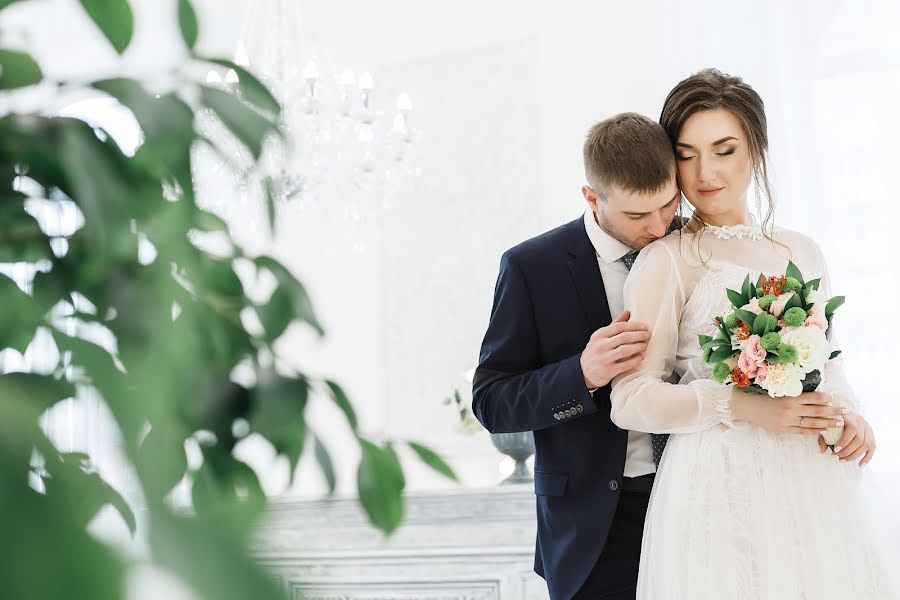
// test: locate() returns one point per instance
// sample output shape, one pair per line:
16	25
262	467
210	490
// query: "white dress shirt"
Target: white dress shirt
639	455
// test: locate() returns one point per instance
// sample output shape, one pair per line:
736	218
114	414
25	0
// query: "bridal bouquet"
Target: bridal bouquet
776	340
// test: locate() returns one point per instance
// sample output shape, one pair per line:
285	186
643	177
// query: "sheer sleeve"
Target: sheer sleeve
834	379
645	399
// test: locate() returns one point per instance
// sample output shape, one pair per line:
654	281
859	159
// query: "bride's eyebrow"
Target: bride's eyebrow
716	143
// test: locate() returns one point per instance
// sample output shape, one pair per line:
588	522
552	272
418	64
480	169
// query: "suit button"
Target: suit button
613	485
579	408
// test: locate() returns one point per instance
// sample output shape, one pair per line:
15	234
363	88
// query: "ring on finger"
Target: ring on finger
801	421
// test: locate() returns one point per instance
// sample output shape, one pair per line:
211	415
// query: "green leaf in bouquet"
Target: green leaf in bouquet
793	271
723	330
187	21
430	458
721	354
814	284
18	69
761	324
834	354
746	316
737	300
115	20
792	302
746	290
380	482
716	343
812	381
760	284
704	339
833	305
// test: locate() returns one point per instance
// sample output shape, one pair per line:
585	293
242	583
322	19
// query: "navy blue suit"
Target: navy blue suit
548	301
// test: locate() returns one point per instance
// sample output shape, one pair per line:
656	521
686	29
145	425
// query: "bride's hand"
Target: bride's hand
857	440
809	413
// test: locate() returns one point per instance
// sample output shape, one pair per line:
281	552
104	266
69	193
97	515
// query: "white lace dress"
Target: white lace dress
737	513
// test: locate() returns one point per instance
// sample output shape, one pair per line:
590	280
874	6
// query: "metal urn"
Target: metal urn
518	446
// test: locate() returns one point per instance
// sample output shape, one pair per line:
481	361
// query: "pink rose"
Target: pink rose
747	364
753	306
777	307
761	372
816	319
754	350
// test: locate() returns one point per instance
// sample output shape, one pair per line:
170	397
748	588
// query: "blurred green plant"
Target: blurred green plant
178	326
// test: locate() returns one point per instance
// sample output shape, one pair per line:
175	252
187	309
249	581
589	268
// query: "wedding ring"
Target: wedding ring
801	421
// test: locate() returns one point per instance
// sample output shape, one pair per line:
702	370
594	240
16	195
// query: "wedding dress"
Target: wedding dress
737	512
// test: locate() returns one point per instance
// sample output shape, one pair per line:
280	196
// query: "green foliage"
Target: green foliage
115	20
179	335
18	70
431	459
833	305
187	21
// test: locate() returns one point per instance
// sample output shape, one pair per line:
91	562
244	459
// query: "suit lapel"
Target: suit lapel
587	279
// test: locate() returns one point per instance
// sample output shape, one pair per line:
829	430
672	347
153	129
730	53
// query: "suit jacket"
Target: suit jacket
548	301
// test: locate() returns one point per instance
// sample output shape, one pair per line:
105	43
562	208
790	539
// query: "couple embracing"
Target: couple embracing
653	479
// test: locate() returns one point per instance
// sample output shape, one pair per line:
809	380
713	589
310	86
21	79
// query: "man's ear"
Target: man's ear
591	196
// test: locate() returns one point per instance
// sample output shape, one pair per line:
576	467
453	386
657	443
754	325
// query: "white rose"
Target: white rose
819	301
832	435
783	379
813	348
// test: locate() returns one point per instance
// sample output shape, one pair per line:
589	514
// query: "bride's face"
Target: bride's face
714	164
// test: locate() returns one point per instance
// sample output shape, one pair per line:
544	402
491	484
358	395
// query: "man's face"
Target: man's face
635	219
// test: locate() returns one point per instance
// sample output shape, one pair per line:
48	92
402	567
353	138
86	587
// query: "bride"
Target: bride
737	512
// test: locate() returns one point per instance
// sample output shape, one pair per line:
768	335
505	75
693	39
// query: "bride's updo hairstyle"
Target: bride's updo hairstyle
711	89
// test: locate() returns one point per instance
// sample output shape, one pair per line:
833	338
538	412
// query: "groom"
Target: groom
552	348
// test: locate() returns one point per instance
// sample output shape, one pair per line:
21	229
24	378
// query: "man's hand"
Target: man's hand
810	413
858	440
613	349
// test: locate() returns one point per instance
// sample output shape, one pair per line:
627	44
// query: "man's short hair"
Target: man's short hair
628	151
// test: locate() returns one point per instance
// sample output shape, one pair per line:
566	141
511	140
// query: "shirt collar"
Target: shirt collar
608	248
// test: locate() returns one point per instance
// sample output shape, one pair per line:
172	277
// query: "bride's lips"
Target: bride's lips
709	192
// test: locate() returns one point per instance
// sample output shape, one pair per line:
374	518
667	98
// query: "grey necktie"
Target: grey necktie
657	440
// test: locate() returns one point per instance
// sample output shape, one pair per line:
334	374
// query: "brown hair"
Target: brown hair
628	151
711	89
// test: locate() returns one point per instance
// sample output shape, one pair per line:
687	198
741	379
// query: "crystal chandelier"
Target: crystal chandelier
340	142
